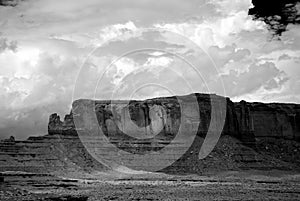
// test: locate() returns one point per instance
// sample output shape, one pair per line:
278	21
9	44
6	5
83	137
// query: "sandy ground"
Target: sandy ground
246	185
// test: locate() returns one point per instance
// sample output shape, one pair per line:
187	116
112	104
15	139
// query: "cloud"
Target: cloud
9	2
54	18
284	57
263	75
279	17
5	45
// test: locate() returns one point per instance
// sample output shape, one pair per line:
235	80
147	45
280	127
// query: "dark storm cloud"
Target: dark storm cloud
9	2
277	14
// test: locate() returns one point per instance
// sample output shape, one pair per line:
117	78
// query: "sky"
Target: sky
53	52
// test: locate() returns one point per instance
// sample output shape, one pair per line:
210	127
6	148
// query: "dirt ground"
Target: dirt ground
246	185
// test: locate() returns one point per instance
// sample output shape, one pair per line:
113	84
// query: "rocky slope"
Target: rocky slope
254	135
50	153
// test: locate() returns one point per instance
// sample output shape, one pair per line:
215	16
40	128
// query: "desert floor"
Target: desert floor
245	185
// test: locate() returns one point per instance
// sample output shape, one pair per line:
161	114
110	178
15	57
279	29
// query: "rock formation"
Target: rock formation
250	134
243	120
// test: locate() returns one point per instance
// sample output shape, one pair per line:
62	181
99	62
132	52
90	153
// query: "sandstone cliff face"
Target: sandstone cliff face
274	120
250	134
243	120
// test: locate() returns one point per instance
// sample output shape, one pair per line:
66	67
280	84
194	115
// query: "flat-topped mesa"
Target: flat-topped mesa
245	121
254	136
142	111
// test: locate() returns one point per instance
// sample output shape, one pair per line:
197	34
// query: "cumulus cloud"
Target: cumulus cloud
4	45
32	87
263	75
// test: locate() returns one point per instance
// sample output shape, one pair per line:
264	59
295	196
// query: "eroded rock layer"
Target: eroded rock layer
48	153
